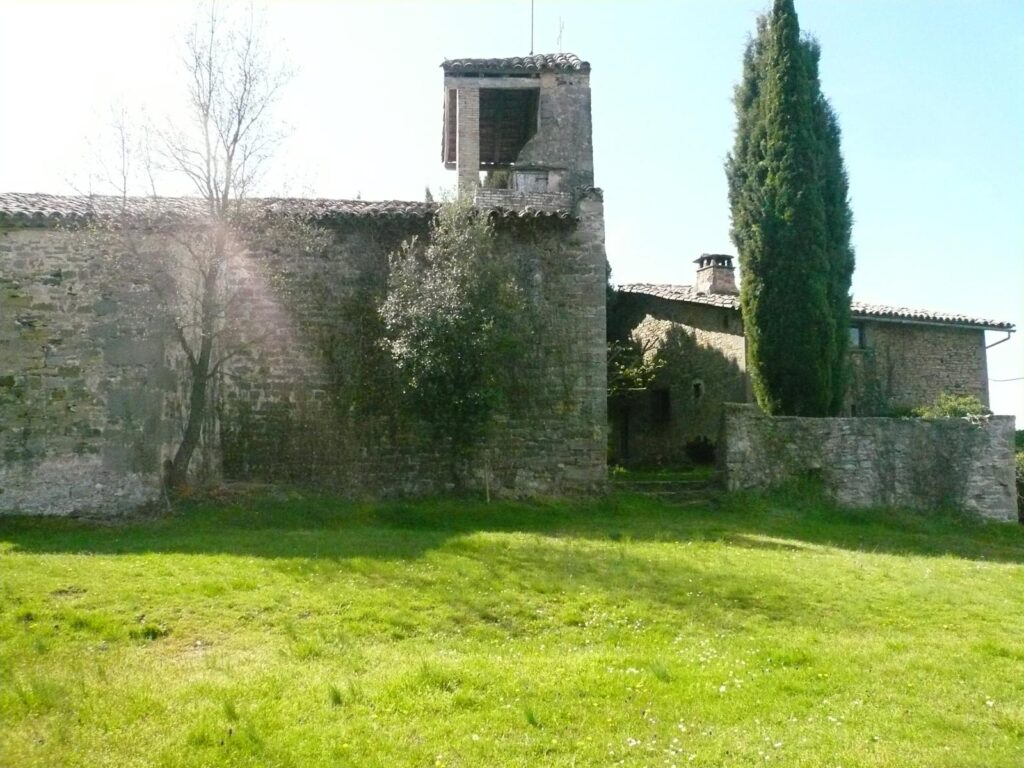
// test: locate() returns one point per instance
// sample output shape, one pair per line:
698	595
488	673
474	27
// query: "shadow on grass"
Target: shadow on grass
305	525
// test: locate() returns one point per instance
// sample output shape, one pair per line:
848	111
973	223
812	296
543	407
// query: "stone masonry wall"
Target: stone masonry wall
508	198
865	462
90	379
84	380
564	133
317	400
702	354
901	366
564	137
906	366
468	146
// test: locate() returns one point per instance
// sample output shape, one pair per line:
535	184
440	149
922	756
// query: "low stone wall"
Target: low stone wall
509	198
864	462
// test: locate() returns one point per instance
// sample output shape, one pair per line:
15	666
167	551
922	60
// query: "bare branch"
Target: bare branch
180	333
235	352
219	151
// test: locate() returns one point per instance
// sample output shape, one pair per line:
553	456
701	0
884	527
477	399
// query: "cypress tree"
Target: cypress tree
839	223
790	223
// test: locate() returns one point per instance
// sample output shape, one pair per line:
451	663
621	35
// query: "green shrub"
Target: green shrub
459	324
953	407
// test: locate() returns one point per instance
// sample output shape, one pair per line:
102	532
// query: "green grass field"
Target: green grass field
303	631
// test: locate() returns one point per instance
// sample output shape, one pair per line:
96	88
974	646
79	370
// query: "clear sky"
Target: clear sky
930	96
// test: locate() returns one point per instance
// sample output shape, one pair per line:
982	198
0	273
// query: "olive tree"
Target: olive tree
458	325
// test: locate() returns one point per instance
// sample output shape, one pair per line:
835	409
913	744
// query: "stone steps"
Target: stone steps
680	491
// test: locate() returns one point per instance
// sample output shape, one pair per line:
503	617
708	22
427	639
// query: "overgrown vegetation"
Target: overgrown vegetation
306	631
791	223
948	406
497	178
631	368
459	324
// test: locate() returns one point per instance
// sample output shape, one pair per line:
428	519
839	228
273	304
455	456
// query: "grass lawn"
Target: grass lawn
303	631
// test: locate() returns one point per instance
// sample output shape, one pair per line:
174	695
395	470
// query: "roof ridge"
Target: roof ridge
535	62
860	309
4	196
39	209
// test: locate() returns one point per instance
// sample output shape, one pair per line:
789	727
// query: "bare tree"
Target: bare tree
232	84
219	146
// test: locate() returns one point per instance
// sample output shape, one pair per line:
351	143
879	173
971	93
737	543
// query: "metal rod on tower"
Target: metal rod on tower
531	27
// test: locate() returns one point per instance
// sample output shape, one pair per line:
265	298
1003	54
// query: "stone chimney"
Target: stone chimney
715	274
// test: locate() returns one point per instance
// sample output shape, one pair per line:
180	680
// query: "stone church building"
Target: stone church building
92	379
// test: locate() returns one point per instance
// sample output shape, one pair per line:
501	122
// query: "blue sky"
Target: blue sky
930	96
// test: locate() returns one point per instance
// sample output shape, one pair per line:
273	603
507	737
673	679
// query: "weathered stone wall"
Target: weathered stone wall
702	356
317	399
905	366
468	138
84	380
509	198
864	462
900	366
91	376
564	133
563	141
303	393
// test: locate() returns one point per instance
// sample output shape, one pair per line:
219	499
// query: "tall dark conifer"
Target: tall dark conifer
790	223
839	223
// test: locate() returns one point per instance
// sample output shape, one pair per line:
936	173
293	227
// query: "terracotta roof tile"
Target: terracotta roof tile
41	208
17	209
883	312
860	310
682	293
541	62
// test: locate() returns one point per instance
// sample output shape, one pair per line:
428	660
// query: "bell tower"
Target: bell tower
527	116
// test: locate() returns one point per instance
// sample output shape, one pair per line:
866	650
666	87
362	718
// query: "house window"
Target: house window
698	391
661	406
857	337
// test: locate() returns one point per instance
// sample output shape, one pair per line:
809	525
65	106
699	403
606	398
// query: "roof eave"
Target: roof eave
960	324
855	316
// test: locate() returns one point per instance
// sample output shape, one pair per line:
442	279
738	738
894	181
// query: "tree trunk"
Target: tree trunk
200	369
194	426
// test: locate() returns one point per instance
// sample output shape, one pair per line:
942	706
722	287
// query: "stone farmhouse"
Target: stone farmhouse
91	380
900	359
